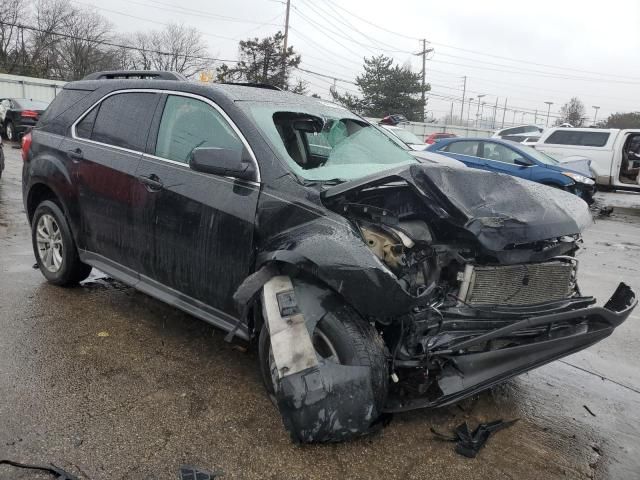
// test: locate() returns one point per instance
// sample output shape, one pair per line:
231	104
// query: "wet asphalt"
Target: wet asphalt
110	384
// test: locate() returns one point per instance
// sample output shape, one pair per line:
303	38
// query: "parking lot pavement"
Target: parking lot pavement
110	384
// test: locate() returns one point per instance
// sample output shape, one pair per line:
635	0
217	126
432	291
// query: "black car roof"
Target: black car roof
232	92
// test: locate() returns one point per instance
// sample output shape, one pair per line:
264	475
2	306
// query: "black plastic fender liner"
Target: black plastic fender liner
327	403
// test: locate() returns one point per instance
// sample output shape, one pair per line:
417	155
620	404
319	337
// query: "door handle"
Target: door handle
152	182
75	154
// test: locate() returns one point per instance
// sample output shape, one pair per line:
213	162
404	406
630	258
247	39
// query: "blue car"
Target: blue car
504	156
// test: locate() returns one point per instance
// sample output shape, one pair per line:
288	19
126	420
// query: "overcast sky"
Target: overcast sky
528	52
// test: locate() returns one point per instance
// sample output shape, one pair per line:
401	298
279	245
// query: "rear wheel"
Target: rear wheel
10	131
342	337
54	248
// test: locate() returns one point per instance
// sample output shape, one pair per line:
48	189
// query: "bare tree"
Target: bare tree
176	48
12	14
49	18
82	49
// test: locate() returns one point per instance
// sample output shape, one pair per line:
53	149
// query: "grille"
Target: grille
523	284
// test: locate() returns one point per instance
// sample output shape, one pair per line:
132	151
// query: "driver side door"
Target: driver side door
197	228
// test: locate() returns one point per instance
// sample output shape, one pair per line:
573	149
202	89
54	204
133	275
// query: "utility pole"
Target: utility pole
595	115
469	110
495	111
478	110
464	91
286	41
424	52
504	112
548	110
535	120
451	114
514	117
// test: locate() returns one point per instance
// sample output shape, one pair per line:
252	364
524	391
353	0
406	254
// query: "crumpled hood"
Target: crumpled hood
577	164
498	209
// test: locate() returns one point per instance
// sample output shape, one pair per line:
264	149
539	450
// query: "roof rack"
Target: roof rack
135	74
266	86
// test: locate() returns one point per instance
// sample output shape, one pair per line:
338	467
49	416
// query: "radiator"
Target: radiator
522	284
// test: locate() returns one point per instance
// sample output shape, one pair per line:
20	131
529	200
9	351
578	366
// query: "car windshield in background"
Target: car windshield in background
25	104
407	137
538	155
325	142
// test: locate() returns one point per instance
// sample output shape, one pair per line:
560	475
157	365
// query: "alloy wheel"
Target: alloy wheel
49	242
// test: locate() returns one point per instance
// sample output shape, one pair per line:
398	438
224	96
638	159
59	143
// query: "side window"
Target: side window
499	153
123	120
463	148
188	123
84	128
573	137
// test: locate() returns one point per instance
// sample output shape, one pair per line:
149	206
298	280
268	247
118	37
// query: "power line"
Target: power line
213	35
116	45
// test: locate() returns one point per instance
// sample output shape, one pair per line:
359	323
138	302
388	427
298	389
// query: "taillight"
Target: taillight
26	145
29	114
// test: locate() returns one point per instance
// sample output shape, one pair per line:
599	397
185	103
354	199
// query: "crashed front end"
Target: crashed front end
475	282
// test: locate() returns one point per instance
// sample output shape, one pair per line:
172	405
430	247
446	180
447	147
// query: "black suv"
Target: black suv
372	283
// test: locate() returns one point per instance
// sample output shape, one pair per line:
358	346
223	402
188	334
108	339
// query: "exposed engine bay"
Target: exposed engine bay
466	289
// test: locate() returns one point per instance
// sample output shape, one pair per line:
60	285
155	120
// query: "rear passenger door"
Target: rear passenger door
105	148
198	228
466	151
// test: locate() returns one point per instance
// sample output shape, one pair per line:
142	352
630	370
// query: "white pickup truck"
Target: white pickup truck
614	154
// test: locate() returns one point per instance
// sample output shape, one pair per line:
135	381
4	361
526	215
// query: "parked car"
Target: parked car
367	277
527	130
19	114
504	156
614	154
422	155
434	137
395	119
406	137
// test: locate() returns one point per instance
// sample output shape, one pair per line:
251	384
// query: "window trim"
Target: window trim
215	106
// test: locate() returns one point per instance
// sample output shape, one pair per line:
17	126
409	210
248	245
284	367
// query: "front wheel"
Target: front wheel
342	337
54	247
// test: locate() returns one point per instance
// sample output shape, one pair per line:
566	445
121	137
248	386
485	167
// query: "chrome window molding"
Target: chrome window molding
224	115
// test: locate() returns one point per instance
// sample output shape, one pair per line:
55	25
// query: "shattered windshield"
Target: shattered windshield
407	137
325	142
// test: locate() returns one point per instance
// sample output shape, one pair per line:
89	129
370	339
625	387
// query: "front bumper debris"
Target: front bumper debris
473	363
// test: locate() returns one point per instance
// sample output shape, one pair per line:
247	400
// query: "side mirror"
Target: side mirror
224	162
523	162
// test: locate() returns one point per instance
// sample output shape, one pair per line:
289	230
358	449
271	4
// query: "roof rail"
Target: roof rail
266	86
135	74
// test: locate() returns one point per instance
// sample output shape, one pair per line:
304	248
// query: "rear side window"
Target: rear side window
123	120
572	137
66	99
463	148
188	123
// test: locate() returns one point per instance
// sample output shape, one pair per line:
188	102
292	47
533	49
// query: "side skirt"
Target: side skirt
168	295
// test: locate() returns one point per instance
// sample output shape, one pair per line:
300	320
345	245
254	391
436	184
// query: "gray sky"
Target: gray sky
528	52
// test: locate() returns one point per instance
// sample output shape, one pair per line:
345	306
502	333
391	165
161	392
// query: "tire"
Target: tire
65	267
356	343
10	131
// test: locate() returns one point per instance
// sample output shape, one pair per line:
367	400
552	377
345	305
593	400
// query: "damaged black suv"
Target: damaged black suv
371	282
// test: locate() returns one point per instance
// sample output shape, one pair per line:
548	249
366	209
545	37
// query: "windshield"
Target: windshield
538	155
406	136
324	142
